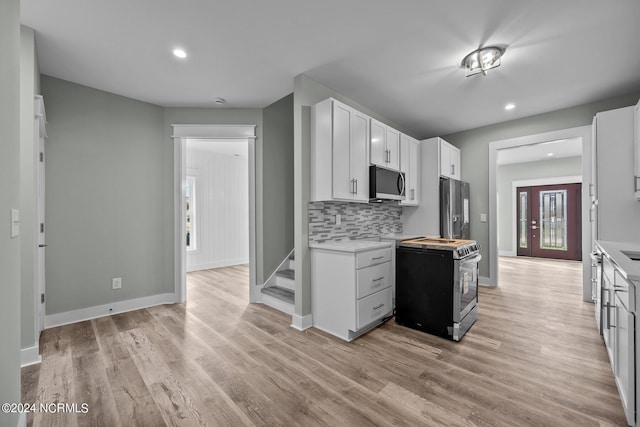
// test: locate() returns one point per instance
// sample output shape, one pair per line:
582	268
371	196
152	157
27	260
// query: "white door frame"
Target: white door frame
180	135
40	120
583	132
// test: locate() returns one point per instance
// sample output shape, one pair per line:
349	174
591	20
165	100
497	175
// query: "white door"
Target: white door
358	164
40	298
343	184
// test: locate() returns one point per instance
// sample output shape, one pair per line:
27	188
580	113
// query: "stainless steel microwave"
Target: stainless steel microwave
385	184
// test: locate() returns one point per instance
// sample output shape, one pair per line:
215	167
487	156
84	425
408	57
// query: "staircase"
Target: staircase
279	291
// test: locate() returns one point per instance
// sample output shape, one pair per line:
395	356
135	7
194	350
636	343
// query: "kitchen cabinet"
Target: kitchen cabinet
385	145
636	178
339	153
619	329
410	165
449	160
350	287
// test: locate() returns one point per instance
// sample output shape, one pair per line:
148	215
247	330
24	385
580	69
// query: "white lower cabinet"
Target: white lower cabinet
350	288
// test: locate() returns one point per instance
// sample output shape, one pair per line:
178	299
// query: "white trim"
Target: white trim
89	313
214	131
277	304
217	264
30	356
583	132
272	276
487	281
181	133
301	322
22	419
531	183
506	253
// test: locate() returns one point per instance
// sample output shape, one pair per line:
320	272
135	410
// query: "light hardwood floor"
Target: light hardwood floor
533	358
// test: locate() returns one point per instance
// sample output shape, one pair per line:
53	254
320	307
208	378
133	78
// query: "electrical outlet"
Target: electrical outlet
338	219
116	283
483	217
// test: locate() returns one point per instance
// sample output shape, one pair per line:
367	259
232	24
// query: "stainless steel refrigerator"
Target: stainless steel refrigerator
454	209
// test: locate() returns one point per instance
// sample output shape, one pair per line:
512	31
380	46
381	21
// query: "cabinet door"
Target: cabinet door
455	163
358	155
624	354
414	181
637	151
378	143
445	159
393	149
343	185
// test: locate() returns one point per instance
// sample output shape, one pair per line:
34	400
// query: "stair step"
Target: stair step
289	274
283	294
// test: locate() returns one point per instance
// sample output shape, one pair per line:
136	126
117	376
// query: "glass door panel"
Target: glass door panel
553	220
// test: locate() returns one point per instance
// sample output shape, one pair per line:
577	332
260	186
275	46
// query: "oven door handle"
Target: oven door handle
475	258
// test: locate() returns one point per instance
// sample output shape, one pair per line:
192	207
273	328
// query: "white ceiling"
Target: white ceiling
541	151
398	58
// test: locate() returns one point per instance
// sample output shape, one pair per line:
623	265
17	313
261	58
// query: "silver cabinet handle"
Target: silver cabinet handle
375	258
413	194
378	306
356	191
378	279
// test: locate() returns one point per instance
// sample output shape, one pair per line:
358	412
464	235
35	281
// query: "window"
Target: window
553	214
190	214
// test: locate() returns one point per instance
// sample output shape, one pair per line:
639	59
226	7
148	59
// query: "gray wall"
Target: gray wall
9	198
277	184
306	93
29	86
105	198
568	166
474	145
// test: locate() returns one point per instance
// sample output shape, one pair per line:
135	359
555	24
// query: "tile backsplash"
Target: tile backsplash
358	220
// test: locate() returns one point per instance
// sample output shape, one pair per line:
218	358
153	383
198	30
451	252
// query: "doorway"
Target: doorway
182	133
549	221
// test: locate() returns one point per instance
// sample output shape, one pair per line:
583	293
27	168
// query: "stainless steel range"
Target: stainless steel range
437	285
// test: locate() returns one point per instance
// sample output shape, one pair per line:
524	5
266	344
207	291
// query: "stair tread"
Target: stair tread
288	273
283	294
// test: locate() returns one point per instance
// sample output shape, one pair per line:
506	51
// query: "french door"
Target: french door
549	221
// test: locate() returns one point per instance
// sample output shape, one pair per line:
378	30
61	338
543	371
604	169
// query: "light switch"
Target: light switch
483	217
15	223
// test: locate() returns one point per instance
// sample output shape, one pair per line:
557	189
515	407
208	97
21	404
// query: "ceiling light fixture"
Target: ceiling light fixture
510	106
549	154
481	60
179	53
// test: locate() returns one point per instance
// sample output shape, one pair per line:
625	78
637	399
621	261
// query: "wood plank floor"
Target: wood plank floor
533	358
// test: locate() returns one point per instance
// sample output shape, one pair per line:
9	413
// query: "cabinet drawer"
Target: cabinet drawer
625	291
373	307
372	279
365	259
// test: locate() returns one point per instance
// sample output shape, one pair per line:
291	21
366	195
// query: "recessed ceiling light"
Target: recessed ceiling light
549	154
179	53
510	106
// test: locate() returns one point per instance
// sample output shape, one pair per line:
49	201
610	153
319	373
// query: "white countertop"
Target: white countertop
630	269
351	245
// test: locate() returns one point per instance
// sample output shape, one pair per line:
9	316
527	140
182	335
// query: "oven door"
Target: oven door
465	289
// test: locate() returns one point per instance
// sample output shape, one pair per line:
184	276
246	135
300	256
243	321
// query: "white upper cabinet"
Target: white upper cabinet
339	152
637	151
449	160
410	165
385	145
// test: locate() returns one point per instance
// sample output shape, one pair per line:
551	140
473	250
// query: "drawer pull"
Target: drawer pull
375	258
378	279
378	306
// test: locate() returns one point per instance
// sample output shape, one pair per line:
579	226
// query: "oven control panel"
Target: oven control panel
466	250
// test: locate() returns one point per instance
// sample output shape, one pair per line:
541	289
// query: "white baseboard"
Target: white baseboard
30	356
22	419
301	322
277	304
506	253
216	264
487	281
88	313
